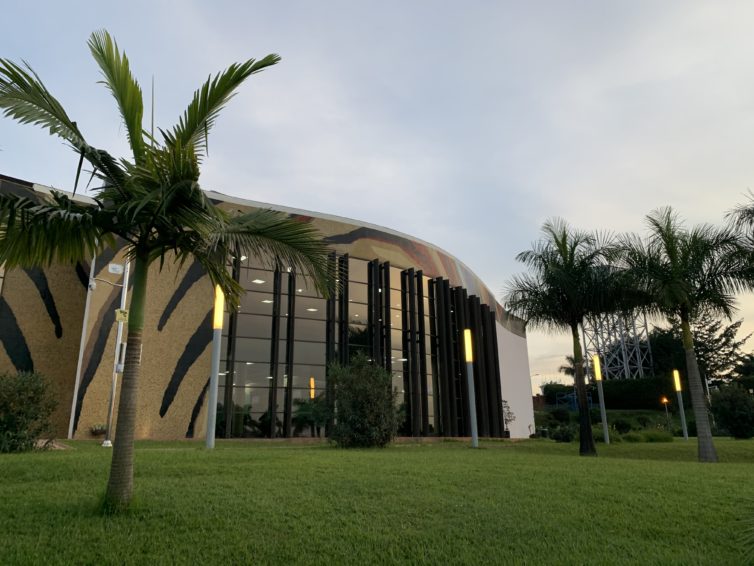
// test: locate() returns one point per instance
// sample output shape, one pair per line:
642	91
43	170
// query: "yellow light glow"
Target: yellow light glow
311	388
467	344
217	323
597	368
664	401
677	379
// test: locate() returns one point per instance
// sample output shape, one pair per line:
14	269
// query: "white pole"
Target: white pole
470	385
217	332
117	361
603	413
82	346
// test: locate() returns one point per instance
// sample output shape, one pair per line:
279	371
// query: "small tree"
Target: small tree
26	404
733	408
508	416
365	414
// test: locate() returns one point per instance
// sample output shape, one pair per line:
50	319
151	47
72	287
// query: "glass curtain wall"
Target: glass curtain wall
278	344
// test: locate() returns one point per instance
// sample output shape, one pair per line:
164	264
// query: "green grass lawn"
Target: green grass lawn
531	502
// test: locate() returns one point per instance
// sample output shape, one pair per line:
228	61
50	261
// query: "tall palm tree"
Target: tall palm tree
684	273
570	277
152	202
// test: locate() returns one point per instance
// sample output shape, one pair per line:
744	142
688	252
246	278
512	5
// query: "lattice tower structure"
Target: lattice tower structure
622	342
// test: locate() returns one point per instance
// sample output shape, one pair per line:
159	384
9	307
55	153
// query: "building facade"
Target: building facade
401	302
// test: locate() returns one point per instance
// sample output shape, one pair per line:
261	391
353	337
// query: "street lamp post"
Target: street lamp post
217	330
603	413
677	382
470	383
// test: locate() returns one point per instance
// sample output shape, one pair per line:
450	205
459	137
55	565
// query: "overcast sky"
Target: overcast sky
466	124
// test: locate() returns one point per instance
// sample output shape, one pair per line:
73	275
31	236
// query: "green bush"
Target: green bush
26	405
657	436
633	437
622	426
561	415
733	408
563	433
365	415
600	437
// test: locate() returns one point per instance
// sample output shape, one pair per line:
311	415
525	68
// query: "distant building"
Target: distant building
401	301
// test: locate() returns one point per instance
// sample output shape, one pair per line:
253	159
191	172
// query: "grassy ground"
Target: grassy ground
533	502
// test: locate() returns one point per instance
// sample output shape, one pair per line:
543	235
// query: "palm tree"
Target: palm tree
152	202
685	273
570	277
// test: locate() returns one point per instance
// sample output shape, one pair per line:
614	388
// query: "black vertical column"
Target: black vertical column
480	369
343	315
451	332
330	340
289	341
422	353
406	350
374	313
230	353
386	320
416	413
433	349
458	295
274	354
493	372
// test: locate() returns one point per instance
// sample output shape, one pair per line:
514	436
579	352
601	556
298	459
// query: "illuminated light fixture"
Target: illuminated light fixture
288	269
597	368
664	400
300	290
402	359
356	316
267	301
249	363
467	345
217	323
677	383
244	258
311	387
603	414
269	377
258	281
312	310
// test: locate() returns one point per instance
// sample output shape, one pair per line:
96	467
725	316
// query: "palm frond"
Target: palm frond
118	79
277	241
197	120
24	97
48	231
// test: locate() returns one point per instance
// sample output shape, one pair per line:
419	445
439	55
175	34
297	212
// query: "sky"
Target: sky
465	124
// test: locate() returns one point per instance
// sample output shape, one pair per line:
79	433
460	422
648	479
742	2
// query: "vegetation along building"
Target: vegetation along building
401	301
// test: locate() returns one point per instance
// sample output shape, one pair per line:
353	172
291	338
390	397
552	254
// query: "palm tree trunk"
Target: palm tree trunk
120	483
707	451
586	439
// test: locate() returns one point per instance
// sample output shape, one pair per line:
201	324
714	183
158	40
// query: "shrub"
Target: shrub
657	436
733	408
563	433
635	394
366	415
26	404
560	415
600	437
633	437
622	426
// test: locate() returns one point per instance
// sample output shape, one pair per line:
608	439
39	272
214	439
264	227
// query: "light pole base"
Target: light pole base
107	444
